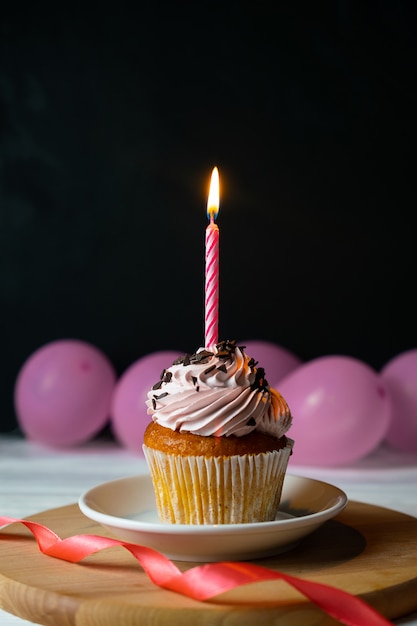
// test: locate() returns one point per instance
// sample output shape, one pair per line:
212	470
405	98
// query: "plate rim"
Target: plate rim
340	501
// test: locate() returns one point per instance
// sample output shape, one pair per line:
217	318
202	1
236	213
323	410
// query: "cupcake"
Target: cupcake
216	447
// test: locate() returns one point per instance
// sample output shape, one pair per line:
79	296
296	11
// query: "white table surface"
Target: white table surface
34	479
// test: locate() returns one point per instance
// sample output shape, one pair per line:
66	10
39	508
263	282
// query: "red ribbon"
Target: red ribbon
204	582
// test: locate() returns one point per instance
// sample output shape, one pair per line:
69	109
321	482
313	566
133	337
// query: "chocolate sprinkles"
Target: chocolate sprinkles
161	395
165	377
224	352
260	381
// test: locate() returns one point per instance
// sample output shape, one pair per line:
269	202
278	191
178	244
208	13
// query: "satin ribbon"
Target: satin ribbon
207	581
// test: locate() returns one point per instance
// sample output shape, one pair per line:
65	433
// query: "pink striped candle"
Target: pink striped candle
212	265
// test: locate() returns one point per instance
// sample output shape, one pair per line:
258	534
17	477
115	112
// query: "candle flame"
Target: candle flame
213	197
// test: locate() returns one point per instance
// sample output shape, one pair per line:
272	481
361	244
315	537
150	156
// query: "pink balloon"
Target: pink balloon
341	410
276	360
129	418
63	392
400	376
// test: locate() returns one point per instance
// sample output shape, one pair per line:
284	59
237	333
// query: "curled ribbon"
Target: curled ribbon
204	582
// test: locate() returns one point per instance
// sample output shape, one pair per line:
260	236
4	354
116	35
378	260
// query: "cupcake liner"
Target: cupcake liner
218	490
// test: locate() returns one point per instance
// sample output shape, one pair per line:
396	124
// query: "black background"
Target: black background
110	124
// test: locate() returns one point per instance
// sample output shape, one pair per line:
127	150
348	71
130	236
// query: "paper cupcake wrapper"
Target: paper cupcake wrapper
218	490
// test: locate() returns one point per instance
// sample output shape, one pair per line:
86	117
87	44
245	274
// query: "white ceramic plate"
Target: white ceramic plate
127	508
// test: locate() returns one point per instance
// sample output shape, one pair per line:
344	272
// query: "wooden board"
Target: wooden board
366	550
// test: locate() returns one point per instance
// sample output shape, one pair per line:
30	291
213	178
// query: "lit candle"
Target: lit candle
212	265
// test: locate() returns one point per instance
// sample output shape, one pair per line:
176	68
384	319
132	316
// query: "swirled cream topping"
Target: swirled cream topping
218	393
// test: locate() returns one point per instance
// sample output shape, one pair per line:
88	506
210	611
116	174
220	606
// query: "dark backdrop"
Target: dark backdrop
110	124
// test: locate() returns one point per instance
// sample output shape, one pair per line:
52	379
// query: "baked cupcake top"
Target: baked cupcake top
218	393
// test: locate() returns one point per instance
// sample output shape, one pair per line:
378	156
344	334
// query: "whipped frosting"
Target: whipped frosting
218	393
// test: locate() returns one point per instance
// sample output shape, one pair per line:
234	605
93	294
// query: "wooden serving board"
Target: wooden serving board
366	550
